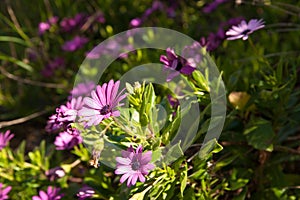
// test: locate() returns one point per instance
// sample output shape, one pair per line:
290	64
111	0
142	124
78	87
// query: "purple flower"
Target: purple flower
70	110
50	194
212	6
85	192
134	165
75	44
243	30
64	115
103	103
69	24
82	89
5	138
66	141
4	192
53	65
136	22
54	173
45	26
176	64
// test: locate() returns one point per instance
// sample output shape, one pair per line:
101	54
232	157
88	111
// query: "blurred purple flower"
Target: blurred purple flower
53	65
52	193
136	22
54	173
176	64
173	101
85	192
45	26
69	24
100	18
5	138
66	141
243	30
213	6
4	192
76	43
134	165
156	5
103	103
82	89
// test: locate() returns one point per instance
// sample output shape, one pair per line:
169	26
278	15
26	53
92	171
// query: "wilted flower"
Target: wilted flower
134	165
75	44
5	138
54	173
176	64
243	30
50	194
82	89
4	192
66	141
103	103
85	192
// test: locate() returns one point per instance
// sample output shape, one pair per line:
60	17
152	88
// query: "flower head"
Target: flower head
5	138
75	44
134	165
65	140
69	24
176	64
243	30
50	194
4	192
103	103
69	111
85	192
54	173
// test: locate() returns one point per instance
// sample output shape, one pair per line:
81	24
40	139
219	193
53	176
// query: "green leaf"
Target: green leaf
260	135
173	153
209	148
183	180
13	39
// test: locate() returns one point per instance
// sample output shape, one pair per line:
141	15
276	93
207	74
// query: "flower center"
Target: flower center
245	32
135	165
179	66
106	109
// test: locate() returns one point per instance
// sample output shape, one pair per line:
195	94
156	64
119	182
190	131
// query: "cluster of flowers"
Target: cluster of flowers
68	25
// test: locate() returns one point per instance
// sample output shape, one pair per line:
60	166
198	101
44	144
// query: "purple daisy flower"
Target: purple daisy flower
54	173
50	194
85	192
134	165
75	44
4	192
103	103
5	138
176	64
69	24
243	30
82	89
66	141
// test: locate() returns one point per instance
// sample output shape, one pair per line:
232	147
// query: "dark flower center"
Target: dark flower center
106	109
135	165
179	66
245	32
